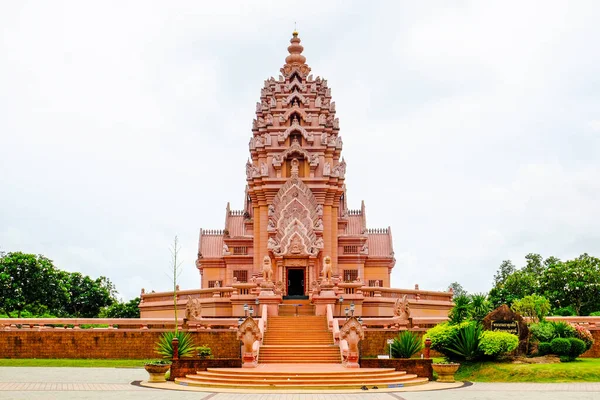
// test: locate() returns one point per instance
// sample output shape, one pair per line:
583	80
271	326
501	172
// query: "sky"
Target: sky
471	128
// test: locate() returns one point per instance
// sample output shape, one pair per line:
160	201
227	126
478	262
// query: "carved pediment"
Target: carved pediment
295	216
296	127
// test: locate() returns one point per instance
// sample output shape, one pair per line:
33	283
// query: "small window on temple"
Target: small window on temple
241	275
214	284
350	275
375	282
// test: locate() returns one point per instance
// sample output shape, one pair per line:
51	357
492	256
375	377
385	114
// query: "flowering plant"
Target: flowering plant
584	334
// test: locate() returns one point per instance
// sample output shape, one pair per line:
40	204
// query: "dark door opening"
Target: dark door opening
295	282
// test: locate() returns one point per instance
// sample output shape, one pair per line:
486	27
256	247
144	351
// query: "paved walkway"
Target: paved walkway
116	383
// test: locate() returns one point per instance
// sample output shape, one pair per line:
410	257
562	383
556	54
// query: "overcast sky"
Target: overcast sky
471	128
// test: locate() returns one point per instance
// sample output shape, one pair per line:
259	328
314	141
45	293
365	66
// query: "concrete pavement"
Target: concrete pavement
116	383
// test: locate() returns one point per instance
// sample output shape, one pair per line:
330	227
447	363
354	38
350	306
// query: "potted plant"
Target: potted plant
445	371
157	370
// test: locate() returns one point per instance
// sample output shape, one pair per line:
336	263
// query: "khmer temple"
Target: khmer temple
295	244
295	204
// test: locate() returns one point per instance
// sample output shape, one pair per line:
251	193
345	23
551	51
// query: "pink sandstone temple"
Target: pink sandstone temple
295	230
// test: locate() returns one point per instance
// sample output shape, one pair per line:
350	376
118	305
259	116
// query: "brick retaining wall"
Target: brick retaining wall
417	366
113	344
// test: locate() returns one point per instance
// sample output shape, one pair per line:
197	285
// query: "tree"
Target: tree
28	281
506	268
573	283
87	296
457	290
534	264
119	309
534	306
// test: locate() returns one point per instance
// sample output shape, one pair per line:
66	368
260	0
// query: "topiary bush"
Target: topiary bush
560	346
577	348
544	348
406	344
494	344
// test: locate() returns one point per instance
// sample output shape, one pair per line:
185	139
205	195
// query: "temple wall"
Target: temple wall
111	344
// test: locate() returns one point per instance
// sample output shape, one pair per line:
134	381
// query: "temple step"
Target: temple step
298	339
282	377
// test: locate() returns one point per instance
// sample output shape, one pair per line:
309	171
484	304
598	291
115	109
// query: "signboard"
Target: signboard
390	341
505	326
383	357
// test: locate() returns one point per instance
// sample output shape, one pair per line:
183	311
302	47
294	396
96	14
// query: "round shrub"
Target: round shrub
577	348
542	331
595	314
443	336
560	346
544	348
494	344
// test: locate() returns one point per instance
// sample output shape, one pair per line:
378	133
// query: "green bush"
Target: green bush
544	348
577	348
565	311
406	344
560	346
595	314
204	351
494	344
563	329
542	332
585	335
164	347
465	345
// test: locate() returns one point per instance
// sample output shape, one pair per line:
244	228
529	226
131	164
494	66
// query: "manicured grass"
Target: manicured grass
51	362
582	370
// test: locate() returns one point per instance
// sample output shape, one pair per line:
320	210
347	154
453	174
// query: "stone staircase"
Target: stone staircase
298	339
293	376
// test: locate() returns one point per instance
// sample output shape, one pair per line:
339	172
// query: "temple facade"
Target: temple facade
295	205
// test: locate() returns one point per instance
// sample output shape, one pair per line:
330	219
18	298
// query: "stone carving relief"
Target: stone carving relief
294	110
401	308
322	119
264	170
318	102
268	119
248	333
295	216
267	270
296	127
319	210
271	226
295	96
327	169
276	161
226	249
193	309
352	332
327	270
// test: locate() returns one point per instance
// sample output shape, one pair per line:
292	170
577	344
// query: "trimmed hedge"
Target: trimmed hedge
496	343
561	346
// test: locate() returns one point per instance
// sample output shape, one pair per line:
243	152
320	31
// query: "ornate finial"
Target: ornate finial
295	50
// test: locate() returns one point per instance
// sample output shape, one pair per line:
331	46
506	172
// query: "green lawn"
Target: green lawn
582	370
50	362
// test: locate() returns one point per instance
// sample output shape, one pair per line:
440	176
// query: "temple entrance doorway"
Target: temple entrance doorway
295	283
